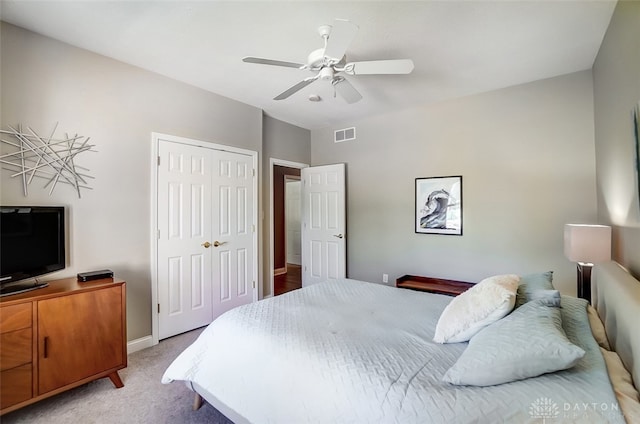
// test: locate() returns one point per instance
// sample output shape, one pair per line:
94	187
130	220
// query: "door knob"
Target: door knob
206	244
338	235
218	243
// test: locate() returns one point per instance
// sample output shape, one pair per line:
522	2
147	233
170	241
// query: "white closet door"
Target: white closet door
184	223
233	253
206	245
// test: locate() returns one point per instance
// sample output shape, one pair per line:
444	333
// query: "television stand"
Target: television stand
21	288
60	337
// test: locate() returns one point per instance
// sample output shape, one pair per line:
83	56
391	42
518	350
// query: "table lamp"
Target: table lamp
586	245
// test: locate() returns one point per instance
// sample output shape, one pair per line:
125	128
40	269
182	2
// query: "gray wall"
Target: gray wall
43	82
285	142
526	154
616	77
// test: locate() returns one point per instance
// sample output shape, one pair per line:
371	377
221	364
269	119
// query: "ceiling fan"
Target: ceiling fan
329	63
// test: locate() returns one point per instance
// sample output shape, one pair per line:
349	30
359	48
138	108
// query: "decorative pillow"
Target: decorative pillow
548	297
531	284
527	343
481	305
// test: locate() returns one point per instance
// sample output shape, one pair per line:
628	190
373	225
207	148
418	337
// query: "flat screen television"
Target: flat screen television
32	243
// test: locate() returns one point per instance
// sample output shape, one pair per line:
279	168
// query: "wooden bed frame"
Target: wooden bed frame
213	401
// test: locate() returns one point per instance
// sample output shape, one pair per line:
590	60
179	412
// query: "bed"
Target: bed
350	351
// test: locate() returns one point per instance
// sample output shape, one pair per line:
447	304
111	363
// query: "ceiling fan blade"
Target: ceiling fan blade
373	67
262	61
346	90
299	86
342	33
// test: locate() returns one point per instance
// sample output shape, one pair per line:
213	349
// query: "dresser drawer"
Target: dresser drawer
15	317
15	348
15	385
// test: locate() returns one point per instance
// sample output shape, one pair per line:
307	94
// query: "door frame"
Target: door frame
153	233
290	179
288	164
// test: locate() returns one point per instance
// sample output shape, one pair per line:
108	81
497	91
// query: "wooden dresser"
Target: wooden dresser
59	337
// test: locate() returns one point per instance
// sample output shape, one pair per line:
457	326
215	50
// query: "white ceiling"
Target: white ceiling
458	47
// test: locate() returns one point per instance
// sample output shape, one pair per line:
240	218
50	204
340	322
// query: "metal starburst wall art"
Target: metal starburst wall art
29	155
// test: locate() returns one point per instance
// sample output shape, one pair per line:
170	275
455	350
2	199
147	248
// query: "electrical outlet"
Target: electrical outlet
385	278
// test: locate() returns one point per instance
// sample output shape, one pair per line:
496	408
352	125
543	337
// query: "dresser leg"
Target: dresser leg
115	379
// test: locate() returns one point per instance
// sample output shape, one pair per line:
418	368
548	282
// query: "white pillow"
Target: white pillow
481	305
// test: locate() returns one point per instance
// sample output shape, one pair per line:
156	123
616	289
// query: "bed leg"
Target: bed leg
197	402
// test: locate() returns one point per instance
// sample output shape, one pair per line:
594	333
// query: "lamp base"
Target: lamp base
584	281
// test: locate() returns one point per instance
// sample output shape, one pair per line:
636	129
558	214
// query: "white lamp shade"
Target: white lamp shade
587	243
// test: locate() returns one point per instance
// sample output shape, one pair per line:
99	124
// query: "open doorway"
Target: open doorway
286	243
289	278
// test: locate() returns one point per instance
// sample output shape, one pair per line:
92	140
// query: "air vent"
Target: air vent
345	135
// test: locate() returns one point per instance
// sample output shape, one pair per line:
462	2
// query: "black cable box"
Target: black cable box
95	275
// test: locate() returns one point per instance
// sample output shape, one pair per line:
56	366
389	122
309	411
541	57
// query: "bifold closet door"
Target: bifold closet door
184	221
205	235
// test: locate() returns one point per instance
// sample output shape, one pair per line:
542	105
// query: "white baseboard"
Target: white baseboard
139	344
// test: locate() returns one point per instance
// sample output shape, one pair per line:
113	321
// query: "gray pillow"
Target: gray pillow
547	297
531	284
527	343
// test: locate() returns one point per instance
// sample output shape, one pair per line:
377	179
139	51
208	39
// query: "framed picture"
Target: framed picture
439	205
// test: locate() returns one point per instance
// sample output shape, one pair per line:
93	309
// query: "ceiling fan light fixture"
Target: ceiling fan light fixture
326	73
331	60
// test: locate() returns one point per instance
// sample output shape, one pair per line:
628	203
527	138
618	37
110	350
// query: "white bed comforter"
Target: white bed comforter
356	352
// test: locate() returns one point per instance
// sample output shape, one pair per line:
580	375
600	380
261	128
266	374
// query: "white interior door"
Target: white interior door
323	223
205	250
184	223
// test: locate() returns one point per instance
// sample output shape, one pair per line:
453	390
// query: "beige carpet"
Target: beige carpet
143	399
